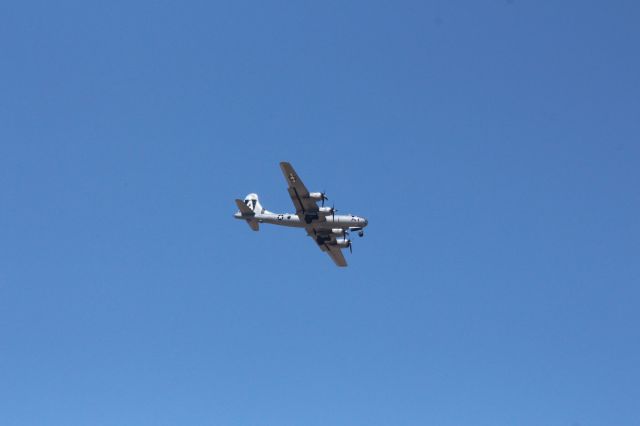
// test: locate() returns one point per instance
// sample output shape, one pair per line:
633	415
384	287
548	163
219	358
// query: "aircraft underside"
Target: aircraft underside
329	230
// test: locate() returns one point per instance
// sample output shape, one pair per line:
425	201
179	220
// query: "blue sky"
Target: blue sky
493	146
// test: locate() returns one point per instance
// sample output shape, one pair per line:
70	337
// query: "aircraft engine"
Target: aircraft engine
337	231
343	242
318	196
326	211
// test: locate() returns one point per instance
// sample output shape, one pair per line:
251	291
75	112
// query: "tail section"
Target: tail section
254	224
248	209
253	203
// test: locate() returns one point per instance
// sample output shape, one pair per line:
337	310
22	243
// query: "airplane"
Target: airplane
329	230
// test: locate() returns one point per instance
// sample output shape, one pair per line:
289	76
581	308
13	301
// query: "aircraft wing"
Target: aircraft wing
335	253
328	245
305	206
307	210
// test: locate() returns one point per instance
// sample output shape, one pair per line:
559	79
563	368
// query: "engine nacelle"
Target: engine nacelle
343	242
337	231
325	211
318	196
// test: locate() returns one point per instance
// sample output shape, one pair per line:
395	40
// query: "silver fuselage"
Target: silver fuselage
341	221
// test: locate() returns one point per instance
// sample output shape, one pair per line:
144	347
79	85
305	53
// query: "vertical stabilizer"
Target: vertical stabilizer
253	203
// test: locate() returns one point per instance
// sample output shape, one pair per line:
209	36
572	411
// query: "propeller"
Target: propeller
324	197
345	236
333	212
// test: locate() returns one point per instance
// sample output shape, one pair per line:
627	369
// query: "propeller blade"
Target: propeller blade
350	249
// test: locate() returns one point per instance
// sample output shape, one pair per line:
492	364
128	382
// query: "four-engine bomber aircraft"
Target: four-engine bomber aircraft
329	230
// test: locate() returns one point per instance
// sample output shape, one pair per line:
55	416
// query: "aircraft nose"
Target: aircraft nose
366	222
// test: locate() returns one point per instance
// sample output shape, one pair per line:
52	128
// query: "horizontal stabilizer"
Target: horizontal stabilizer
244	209
248	214
253	224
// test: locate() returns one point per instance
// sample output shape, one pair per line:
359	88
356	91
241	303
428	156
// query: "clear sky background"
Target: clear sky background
494	147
